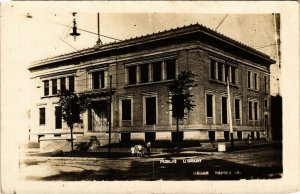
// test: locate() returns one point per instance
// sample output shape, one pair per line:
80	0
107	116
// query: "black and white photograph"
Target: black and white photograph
128	96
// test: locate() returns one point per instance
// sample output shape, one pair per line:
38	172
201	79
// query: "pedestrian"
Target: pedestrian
249	138
148	146
132	151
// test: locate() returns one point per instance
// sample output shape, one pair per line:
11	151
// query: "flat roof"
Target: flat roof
171	33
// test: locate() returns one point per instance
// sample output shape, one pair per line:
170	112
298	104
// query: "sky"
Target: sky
46	33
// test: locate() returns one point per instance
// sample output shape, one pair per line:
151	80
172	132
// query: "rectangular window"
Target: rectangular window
71	83
266	104
42	116
209	105
233	75
58	117
212	69
144	73
151	111
156	71
46	87
266	123
171	69
98	79
224	110
266	84
249	79
220	71
255	111
126	110
255	81
62	84
250	111
132	75
237	108
54	86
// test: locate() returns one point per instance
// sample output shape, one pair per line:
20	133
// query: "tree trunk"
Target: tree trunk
72	138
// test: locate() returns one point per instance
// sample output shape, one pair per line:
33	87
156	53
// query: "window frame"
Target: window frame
227	107
46	87
150	95
144	74
249	79
98	76
266	104
61	84
134	74
158	63
256	81
54	89
122	109
72	77
211	105
55	117
266	83
168	63
42	118
239	108
250	110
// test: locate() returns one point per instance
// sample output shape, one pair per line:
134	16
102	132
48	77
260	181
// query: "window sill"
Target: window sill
50	96
254	90
148	83
223	83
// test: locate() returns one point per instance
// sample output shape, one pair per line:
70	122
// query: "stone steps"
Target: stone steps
101	137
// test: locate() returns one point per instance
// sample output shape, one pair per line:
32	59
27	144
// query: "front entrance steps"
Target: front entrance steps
102	137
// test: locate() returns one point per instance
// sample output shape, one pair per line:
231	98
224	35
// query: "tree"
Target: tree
72	106
180	96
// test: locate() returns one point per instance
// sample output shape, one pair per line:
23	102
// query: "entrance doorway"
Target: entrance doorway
97	118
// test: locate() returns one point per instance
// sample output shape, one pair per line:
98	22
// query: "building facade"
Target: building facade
137	71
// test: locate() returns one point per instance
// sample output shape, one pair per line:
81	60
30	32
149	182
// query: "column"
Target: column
163	70
150	72
105	79
138	69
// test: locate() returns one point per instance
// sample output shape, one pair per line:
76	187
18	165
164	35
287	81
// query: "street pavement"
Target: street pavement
256	161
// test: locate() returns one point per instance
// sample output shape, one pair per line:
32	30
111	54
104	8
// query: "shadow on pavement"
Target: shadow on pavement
215	169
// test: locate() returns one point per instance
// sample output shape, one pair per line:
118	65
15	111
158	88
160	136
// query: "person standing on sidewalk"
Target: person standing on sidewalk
249	138
148	146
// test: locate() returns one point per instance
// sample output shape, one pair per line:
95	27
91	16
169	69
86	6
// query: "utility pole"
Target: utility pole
99	42
109	104
230	116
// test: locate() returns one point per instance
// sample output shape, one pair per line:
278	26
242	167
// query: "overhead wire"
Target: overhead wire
77	28
221	22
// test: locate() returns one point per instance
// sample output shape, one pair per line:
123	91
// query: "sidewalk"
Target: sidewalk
116	151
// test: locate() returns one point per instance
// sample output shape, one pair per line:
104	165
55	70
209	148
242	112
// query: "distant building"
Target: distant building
141	68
